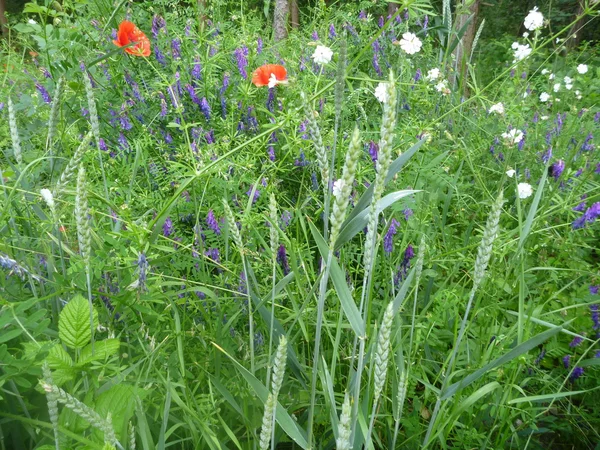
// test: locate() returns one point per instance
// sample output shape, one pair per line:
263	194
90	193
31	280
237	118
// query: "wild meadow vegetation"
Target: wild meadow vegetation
368	234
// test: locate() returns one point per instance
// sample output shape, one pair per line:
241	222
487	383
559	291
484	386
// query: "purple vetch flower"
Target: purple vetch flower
286	218
578	173
209	137
1	106
577	373
178	83
44	93
587	146
125	122
242	287
163	105
259	45
142	272
176	48
350	29
271	99
538	360
597	117
594	289
597	169
409	254
314	182
205	108
580	207
417	75
214	254
134	86
547	155
315	36
102	144
592	213
301	161
332	33
192	92
524	76
376	65
595	312
388	239
158	25
407	213
241	54
425	22
256	194
168	227
362	15
557	169
512	73
566	361
197	68
373	150
84	112
521	143
122	140
302	128
380	22
577	340
283	260
212	223
160	56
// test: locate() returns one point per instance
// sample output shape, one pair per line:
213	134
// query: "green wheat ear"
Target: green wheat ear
317	139
344	430
72	165
268	422
14	132
341	200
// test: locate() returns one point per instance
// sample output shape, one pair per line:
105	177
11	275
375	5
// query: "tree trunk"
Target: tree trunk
280	19
392	8
576	32
294	14
3	19
462	52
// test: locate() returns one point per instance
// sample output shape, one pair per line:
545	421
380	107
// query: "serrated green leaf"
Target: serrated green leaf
102	350
74	323
58	358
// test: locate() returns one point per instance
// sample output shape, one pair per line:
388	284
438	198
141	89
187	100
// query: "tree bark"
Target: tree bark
3	19
576	32
294	14
280	19
462	52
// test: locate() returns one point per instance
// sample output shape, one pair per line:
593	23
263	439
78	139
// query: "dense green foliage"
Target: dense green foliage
150	264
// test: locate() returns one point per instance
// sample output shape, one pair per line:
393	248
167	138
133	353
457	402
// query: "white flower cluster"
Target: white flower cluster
534	20
521	51
441	85
410	43
322	55
513	136
498	108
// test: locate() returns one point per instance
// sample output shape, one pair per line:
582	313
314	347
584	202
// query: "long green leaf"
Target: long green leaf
283	418
514	353
544	398
341	288
533	209
395	167
359	221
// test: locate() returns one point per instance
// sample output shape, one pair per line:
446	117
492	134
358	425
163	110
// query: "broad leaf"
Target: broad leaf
74	323
58	358
102	350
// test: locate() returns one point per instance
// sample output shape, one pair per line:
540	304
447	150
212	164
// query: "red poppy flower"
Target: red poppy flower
130	34
269	75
